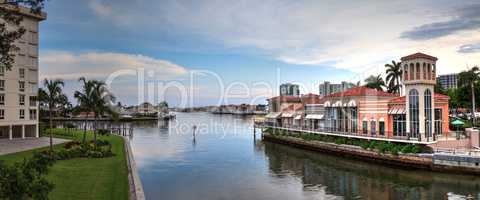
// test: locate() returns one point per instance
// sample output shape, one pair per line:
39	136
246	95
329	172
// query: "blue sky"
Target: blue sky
246	45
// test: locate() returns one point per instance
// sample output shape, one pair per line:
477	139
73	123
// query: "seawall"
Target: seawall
415	161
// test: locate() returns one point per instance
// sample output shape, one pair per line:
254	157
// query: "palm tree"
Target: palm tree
102	103
375	82
468	79
52	97
394	77
85	101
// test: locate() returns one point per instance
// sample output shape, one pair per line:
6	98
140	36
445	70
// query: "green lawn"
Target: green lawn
86	178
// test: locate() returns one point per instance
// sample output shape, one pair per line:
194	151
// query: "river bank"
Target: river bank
425	161
85	178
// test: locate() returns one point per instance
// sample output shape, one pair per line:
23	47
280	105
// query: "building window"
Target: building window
412	71
21	99
2	114
438	121
405	70
413	108
429	71
427	97
365	127
33	101
22	114
2	99
21	72
340	119
424	72
399	125
354	119
33	114
21	86
373	127
417	72
2	70
381	128
2	85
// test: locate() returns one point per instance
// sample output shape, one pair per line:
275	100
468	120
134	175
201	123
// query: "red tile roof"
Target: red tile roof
285	98
418	55
310	95
440	96
362	91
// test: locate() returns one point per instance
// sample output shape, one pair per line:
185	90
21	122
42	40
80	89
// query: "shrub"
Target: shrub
103	131
71	144
69	125
26	180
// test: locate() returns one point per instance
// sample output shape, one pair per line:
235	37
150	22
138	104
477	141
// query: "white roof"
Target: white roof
287	114
273	115
314	116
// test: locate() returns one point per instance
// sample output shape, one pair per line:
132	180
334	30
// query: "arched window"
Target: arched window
424	72
412	71
413	109
427	97
405	71
417	72
429	72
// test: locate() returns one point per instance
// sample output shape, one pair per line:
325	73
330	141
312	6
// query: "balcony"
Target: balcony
359	133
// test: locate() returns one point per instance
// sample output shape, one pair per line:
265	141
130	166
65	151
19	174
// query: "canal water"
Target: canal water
225	162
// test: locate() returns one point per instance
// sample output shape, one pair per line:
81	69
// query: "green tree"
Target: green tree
103	100
394	77
52	97
375	82
85	101
439	89
468	79
11	29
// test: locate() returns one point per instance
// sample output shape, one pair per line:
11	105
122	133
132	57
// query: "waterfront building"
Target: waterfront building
289	89
448	81
19	86
314	116
145	108
282	110
327	88
419	117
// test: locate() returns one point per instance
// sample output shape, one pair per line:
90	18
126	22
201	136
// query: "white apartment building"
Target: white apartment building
19	86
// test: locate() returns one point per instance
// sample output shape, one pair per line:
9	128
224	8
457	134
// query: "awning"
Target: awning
273	115
287	115
314	116
298	117
396	111
392	111
401	111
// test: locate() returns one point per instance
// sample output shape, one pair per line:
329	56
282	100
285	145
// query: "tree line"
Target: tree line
94	98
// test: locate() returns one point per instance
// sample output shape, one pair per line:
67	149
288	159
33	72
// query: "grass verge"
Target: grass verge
85	178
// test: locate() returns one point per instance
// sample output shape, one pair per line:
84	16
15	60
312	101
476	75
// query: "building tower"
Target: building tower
419	80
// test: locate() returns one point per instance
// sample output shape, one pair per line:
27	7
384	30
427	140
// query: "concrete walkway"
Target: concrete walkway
17	145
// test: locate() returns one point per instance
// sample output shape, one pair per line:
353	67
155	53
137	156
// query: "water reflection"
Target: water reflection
354	179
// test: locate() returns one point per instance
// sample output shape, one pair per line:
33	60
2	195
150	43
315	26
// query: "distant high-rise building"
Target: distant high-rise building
288	89
328	88
448	81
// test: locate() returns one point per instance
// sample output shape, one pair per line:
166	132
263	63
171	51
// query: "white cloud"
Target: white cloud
70	66
354	35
